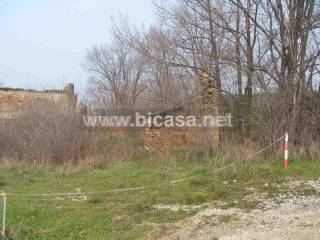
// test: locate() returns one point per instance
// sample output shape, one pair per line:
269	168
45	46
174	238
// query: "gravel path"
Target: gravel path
286	217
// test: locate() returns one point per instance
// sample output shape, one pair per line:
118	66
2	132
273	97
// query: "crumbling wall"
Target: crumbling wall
164	138
13	101
167	138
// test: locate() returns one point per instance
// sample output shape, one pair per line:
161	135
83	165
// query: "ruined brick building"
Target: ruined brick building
13	101
207	101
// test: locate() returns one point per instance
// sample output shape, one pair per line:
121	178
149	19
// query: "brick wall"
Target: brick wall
166	138
12	101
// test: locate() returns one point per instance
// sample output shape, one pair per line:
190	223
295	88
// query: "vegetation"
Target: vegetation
261	62
268	48
129	215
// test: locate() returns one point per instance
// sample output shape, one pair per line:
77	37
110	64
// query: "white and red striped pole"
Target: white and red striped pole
286	147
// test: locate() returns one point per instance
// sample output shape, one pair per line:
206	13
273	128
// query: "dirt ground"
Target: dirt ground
284	217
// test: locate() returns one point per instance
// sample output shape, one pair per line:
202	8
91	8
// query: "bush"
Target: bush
44	133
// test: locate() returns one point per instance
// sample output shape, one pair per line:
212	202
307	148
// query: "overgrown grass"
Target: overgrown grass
128	215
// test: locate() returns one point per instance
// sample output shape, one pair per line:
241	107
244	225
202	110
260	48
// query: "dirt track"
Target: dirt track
286	217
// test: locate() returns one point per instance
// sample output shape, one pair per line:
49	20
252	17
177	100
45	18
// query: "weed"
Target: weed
125	215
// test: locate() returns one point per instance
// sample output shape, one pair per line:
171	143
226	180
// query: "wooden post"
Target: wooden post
4	213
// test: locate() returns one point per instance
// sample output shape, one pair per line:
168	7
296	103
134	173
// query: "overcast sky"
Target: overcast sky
43	42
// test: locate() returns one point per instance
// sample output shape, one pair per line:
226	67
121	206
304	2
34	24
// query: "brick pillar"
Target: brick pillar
208	104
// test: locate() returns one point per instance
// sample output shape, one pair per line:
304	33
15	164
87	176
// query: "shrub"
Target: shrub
42	133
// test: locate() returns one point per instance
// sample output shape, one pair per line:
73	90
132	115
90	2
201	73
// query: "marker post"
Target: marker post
286	151
4	196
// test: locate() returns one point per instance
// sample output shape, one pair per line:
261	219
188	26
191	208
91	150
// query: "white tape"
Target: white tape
265	148
136	188
114	190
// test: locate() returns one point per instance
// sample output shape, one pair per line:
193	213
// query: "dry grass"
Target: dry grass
44	134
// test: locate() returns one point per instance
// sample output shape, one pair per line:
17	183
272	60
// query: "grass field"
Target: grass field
127	215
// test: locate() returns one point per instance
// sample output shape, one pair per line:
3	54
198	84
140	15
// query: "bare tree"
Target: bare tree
264	54
165	82
116	75
290	31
